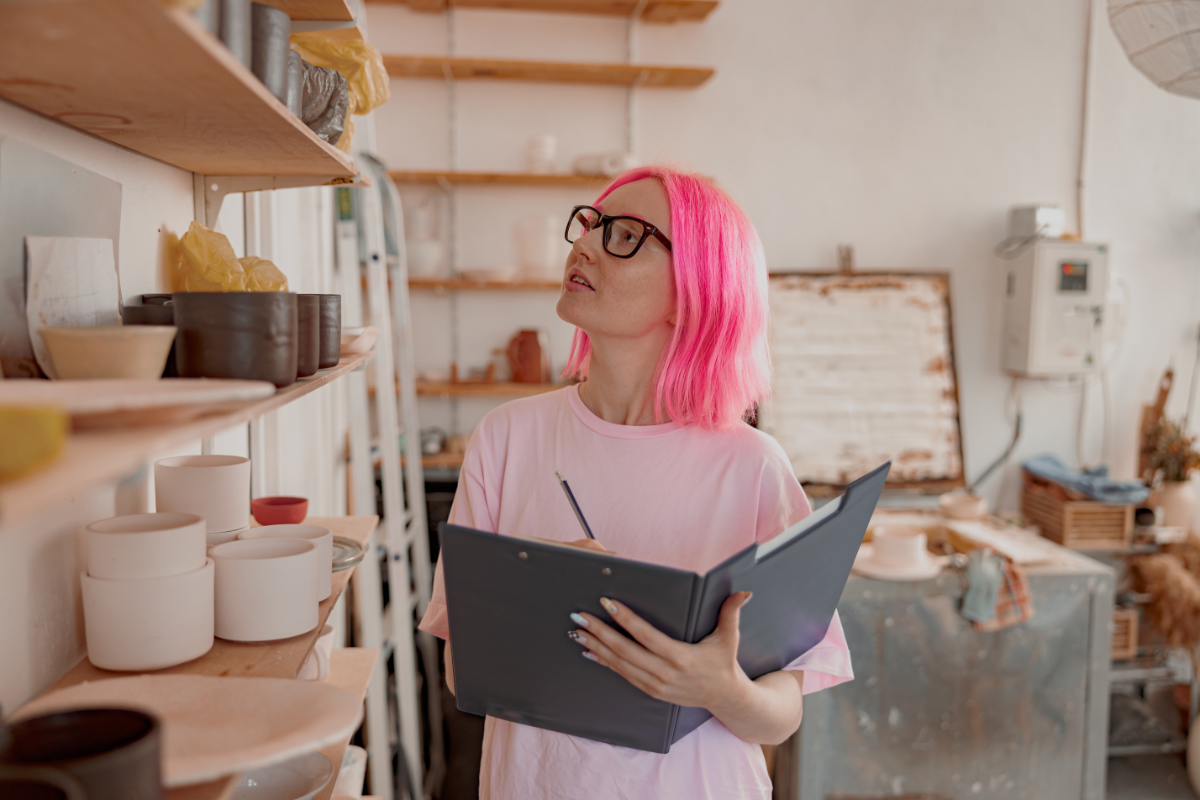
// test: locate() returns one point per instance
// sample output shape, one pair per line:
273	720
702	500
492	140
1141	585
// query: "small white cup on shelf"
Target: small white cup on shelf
266	589
322	537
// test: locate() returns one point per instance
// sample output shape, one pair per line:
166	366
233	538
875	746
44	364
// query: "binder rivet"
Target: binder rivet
606	571
523	555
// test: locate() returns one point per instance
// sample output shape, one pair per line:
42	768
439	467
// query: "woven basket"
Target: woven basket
1079	524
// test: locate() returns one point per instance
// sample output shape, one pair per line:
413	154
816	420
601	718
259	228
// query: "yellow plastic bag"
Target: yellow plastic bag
357	61
263	276
33	437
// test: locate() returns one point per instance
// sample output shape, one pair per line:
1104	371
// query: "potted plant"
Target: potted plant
1173	458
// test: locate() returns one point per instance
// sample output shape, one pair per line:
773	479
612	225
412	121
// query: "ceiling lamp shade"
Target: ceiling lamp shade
1162	39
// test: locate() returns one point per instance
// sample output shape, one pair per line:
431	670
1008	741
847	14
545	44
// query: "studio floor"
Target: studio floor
1149	778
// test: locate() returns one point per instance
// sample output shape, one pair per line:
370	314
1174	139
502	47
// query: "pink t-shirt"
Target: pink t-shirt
678	496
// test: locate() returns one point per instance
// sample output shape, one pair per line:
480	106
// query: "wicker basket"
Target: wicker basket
1079	524
1125	634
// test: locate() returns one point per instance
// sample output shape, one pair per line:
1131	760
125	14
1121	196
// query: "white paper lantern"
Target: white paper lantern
1162	39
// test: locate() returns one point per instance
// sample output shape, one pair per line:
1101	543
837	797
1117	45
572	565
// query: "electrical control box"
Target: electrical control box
1054	309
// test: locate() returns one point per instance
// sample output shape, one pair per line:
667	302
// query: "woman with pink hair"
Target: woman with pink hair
667	287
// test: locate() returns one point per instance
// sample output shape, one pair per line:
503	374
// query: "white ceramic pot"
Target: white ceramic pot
214	487
150	623
266	589
322	537
353	772
1178	501
214	539
145	546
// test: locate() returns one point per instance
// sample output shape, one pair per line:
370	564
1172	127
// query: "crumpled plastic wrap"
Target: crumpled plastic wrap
325	102
207	263
356	61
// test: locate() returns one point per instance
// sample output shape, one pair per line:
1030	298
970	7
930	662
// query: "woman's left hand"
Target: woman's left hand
705	674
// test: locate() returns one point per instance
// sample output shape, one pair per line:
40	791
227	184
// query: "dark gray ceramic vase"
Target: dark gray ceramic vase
270	31
308	308
153	315
331	329
114	754
246	335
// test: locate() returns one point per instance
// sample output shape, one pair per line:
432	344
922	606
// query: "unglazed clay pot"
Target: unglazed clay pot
308	311
331	329
145	546
214	487
109	351
279	510
247	335
112	753
266	589
323	537
151	623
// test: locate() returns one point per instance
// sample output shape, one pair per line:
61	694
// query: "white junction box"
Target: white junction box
1028	222
1054	309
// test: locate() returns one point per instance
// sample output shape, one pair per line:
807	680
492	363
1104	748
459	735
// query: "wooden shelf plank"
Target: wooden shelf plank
91	458
336	10
461	284
498	178
350	670
147	76
546	71
426	389
278	659
654	11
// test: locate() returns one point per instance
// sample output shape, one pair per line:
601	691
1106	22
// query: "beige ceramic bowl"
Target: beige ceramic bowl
109	351
961	504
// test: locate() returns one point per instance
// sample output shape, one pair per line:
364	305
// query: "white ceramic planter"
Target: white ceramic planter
323	537
215	539
150	623
145	546
266	589
214	487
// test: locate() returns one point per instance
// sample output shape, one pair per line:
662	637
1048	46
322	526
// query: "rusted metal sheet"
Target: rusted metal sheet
864	373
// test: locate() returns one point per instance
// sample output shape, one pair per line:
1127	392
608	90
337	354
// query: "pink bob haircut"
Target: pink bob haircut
716	366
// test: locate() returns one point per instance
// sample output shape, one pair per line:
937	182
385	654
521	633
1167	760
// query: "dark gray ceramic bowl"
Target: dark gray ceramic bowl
246	335
308	309
331	329
113	753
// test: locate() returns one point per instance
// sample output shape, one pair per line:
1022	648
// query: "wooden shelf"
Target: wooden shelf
498	178
546	71
335	10
147	76
654	11
460	284
426	389
90	458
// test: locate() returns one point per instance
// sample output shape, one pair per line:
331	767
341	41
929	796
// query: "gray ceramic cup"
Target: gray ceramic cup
270	30
245	335
113	753
330	329
308	357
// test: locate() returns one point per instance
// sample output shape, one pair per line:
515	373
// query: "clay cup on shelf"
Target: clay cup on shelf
331	329
149	623
141	546
245	335
214	487
322	537
266	589
279	510
308	314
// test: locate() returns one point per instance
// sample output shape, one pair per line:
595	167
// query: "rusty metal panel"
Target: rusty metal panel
940	710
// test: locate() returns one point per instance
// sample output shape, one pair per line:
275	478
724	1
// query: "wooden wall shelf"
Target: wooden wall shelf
498	178
147	76
335	10
460	284
93	457
439	67
655	10
426	389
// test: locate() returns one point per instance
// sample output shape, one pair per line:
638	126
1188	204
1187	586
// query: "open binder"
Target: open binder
509	599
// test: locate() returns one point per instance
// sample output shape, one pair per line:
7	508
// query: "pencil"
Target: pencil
574	505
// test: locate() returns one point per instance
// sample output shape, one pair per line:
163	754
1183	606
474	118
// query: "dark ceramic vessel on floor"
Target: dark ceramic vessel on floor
246	335
153	315
114	754
331	329
38	783
308	308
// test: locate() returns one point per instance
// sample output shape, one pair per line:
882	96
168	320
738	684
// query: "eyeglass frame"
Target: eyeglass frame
606	222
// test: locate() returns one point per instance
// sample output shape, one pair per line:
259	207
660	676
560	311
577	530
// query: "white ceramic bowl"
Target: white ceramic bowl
109	351
150	623
312	533
214	487
266	589
145	546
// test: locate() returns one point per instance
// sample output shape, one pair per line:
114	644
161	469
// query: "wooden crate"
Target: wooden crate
1075	523
1125	634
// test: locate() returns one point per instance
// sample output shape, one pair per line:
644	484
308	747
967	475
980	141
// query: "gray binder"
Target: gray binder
510	598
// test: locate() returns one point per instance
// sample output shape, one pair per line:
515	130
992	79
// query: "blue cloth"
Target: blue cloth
1094	483
985	573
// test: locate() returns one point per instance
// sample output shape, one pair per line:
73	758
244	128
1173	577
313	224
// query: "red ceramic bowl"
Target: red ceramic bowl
279	510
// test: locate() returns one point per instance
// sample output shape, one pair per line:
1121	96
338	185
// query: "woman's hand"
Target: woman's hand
705	674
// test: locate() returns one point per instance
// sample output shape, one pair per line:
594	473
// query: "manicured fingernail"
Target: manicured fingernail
578	620
609	605
577	636
589	655
749	597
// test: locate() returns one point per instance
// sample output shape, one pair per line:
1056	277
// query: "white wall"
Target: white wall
906	129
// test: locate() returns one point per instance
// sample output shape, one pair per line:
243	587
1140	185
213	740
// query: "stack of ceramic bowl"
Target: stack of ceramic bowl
148	591
216	488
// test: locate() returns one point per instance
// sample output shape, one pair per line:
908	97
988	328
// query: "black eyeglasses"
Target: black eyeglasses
623	236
